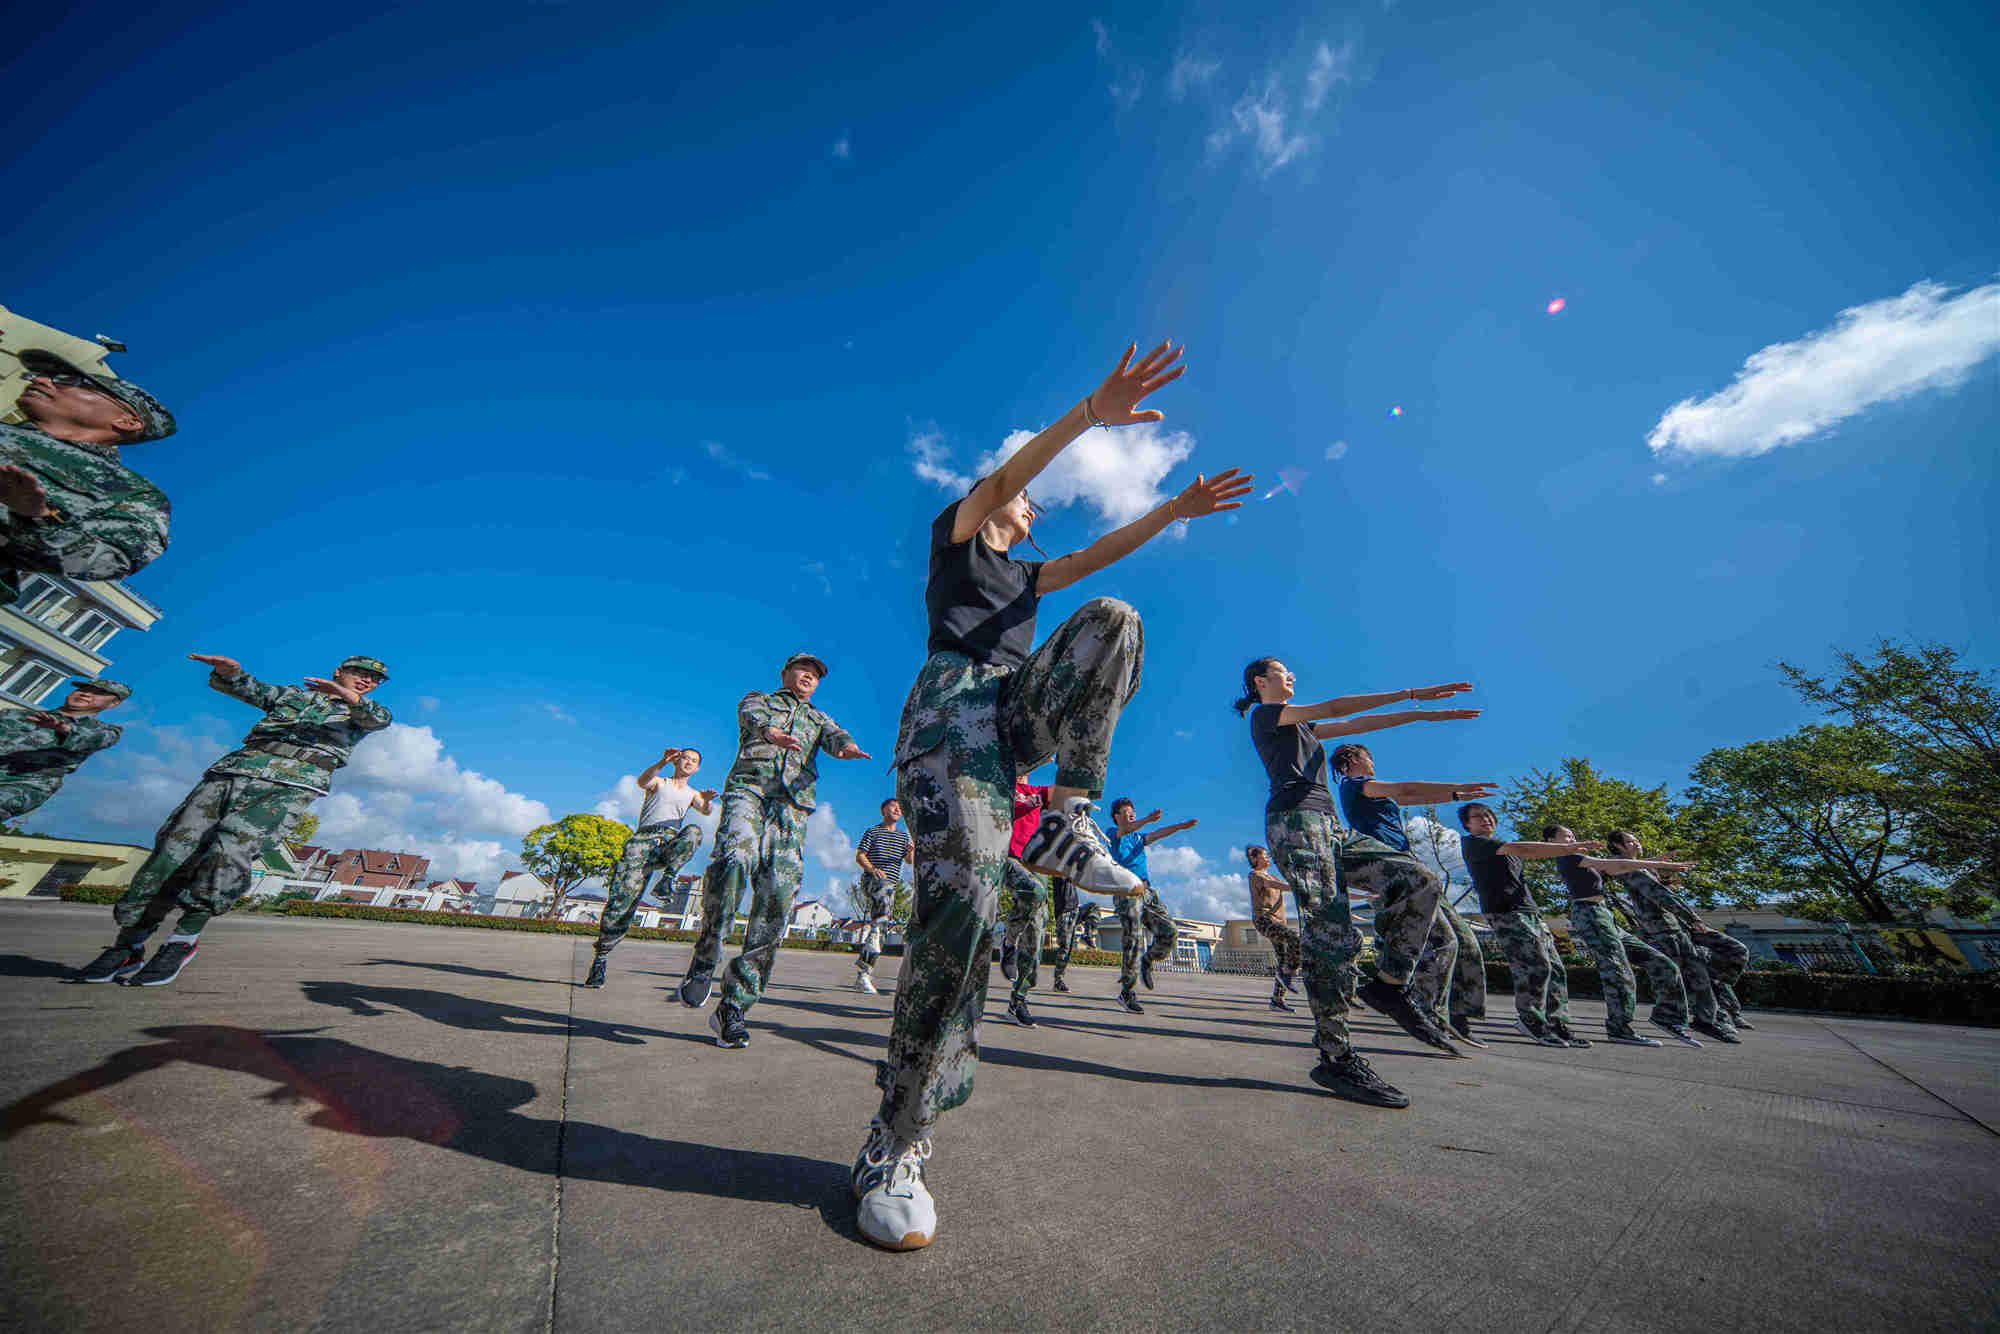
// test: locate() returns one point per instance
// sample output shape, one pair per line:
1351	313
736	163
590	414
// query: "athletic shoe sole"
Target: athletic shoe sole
119	975
699	997
1633	1040
1467	1039
1341	1088
909	1241
1130	1006
161	979
1720	1035
715	1026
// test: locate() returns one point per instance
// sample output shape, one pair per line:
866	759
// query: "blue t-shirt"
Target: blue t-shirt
1380	818
1130	850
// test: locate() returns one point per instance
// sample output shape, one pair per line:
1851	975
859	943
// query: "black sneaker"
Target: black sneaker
1289	981
1130	1002
1536	1030
1061	985
1017	1010
114	965
1278	1002
596	978
165	965
1394	1002
1351	1078
730	1030
1146	971
1629	1037
1007	968
1462	1028
1739	1022
1720	1032
1678	1032
1561	1030
695	988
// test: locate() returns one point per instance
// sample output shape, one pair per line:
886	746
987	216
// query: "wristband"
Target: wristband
1091	413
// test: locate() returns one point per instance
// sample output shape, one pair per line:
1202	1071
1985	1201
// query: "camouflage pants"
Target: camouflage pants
662	848
1406	895
21	794
1597	931
202	855
874	899
1064	910
1699	982
1143	918
1284	938
956	780
1024	923
759	845
1727	957
1541	983
1305	845
1452	951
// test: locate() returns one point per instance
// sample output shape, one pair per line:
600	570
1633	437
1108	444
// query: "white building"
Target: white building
58	630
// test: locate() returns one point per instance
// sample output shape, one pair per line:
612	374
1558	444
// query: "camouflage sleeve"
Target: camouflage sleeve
833	738
248	689
88	736
102	539
368	716
753	715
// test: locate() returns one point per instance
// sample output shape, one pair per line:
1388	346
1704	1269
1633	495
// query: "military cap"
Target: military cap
118	688
818	663
366	665
156	423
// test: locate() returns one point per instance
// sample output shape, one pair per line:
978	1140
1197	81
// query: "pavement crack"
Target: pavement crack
562	1138
1924	1088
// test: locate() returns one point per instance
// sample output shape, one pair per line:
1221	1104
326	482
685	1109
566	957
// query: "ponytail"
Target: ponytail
1250	674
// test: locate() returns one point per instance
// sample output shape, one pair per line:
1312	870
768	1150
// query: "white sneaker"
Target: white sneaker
863	982
893	1208
1068	844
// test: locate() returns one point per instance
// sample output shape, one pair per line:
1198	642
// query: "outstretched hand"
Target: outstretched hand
852	752
1441	692
227	666
1209	495
1447	715
1114	401
334	688
782	740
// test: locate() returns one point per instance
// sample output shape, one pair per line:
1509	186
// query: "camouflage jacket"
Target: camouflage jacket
772	771
295	720
109	520
1654	907
31	752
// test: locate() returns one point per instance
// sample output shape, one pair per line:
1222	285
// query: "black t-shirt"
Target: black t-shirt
1496	877
981	601
1293	759
1581	881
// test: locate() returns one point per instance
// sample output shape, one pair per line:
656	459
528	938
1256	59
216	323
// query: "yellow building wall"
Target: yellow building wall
25	861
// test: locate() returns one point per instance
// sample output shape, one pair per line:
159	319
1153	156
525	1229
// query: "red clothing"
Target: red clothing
1028	801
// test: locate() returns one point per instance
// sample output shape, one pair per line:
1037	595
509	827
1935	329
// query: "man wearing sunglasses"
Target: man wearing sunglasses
68	505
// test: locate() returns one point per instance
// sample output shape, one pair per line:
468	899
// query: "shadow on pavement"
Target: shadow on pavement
463	970
484	1016
357	1091
22	965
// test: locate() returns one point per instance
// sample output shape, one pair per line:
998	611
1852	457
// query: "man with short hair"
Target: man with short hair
1541	983
68	504
883	850
1143	911
760	840
1592	925
663	842
249	799
41	747
1267	916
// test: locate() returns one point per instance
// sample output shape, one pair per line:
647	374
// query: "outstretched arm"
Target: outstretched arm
1340	706
645	780
1159	834
1428	794
1380	721
1111	403
1619	865
1542	852
1203	496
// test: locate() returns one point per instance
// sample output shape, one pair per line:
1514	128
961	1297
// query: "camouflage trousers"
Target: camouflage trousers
1673	941
22	794
203	853
1597	931
1064	908
973	730
1025	920
662	848
1452	951
1305	845
1541	983
1726	957
1142	919
874	900
1284	938
1406	894
759	845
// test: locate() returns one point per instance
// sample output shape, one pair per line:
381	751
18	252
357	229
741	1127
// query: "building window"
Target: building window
62	873
91	629
32	680
40	597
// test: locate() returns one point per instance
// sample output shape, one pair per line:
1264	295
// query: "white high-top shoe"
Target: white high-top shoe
863	982
893	1207
1067	843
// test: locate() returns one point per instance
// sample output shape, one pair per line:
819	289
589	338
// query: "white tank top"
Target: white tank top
666	804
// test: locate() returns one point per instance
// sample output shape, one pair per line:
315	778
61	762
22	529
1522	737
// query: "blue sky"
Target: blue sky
584	363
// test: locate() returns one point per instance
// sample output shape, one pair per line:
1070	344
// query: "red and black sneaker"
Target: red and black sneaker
165	965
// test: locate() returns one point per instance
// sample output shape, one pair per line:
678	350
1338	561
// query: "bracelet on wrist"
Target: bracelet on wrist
1090	413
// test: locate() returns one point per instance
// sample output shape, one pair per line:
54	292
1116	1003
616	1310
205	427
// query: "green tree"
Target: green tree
307	828
571	851
1941	721
1812	820
1576	795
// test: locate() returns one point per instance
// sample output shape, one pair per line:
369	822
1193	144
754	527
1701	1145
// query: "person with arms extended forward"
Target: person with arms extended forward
41	747
987	707
1541	983
1669	923
1592	926
881	854
1324	862
1140	916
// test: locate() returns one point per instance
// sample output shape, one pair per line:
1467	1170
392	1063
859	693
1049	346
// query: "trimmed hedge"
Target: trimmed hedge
1972	998
92	893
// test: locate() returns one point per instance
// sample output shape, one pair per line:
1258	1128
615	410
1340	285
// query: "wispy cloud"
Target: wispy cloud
1275	121
428	703
1876	353
1337	450
1331	66
1261	118
556	712
1115	473
1103	35
1190	71
817	571
928	460
843	148
1128	81
734	462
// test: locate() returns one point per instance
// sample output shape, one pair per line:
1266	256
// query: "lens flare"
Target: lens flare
1288	480
1396	411
1555	307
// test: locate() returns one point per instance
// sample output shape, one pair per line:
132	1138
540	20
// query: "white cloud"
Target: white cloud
1659	479
407	765
1330	66
927	450
1190	71
1128	81
734	462
1337	450
1260	116
826	842
1116	473
1103	35
1211	896
1874	353
843	148
1430	842
555	711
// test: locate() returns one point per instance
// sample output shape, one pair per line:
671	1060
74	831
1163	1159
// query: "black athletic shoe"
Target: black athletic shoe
1462	1028
695	988
1061	985
730	1030
165	965
1678	1032
1146	971
1351	1078
1561	1030
1130	1002
1739	1022
1629	1037
1538	1031
1278	1002
1394	1002
114	965
596	978
1720	1032
1017	1010
1007	968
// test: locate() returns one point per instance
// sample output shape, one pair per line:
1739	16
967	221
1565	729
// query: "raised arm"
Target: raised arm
1159	834
228	676
1379	721
652	773
1140	823
1340	706
1542	852
1201	497
1110	404
1428	794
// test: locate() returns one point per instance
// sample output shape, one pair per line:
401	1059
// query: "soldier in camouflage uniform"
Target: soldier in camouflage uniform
760	839
1452	952
663	841
1668	923
988	707
71	507
1593	926
248	800
41	747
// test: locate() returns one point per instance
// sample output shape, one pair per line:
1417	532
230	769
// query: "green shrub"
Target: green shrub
92	893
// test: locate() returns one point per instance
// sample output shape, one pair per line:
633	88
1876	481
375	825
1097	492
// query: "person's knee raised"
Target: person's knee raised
1112	612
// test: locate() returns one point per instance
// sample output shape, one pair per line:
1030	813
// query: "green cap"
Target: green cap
156	423
819	663
367	665
118	688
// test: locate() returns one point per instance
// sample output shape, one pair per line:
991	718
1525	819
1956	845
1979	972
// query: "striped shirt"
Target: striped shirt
885	850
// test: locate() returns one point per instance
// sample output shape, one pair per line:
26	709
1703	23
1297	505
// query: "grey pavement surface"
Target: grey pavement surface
350	1125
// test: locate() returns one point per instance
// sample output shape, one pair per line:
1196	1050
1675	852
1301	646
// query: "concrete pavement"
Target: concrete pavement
346	1124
